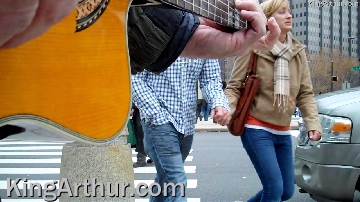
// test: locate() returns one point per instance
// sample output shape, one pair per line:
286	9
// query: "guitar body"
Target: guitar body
75	79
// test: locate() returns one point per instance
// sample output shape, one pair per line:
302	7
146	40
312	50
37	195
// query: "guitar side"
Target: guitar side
76	84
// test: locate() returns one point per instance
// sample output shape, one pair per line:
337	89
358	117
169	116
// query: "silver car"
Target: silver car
329	169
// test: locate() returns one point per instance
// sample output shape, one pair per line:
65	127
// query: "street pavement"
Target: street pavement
218	168
39	162
209	126
225	172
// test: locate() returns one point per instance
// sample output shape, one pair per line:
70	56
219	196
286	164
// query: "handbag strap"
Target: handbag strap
252	64
251	70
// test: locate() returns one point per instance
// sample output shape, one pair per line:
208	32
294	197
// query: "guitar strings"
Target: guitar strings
233	15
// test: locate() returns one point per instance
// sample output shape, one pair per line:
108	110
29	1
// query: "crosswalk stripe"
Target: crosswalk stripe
189	158
134	152
26	148
191	183
188	169
29	171
30	148
54	160
16	152
134	159
42	200
294	133
30	153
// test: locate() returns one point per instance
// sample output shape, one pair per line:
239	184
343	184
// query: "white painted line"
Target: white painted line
25	171
191	183
134	159
30	153
189	158
55	160
294	133
188	169
134	152
25	143
30	148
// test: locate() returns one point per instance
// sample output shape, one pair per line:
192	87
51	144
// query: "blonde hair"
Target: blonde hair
270	6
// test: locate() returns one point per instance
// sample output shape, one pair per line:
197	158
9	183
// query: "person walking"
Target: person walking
167	103
139	135
285	83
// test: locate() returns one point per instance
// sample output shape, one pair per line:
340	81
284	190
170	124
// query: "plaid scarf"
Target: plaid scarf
281	74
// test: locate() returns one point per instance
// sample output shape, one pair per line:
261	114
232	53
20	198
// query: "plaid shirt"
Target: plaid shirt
171	96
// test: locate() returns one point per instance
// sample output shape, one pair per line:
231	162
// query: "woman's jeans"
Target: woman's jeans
272	158
168	149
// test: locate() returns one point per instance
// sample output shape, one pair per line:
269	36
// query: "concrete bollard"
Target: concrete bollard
108	165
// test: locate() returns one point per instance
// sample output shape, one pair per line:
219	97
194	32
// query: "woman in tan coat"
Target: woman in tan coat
285	83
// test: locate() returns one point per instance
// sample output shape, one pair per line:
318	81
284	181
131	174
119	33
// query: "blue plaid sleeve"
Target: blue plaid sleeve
143	96
211	86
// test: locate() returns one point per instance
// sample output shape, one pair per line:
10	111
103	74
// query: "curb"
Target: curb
203	130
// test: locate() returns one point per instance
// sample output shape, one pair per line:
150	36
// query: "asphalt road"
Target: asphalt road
218	167
224	171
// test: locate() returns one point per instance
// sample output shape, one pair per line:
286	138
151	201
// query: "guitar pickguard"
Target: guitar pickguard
88	11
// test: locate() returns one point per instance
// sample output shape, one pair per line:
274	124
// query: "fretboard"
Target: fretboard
222	12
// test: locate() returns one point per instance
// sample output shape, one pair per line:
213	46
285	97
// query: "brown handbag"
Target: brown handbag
247	92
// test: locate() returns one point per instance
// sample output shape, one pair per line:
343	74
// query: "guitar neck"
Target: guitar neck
223	12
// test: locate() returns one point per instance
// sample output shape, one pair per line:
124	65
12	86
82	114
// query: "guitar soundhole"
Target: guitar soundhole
88	11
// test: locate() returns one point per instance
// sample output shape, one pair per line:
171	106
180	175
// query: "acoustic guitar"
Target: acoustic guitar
74	81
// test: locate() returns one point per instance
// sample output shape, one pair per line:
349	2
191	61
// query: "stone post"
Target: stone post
110	165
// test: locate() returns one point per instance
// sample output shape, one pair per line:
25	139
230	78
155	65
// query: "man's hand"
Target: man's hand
209	41
24	20
314	135
221	115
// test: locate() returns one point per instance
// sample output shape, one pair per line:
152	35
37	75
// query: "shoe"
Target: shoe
149	161
139	164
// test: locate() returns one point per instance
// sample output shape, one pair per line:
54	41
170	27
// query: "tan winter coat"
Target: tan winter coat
300	88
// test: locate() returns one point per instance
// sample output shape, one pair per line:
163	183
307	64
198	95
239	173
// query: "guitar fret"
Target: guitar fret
228	7
216	10
208	10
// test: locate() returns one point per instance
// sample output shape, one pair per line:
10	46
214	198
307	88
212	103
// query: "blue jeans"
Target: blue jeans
168	149
205	112
272	158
